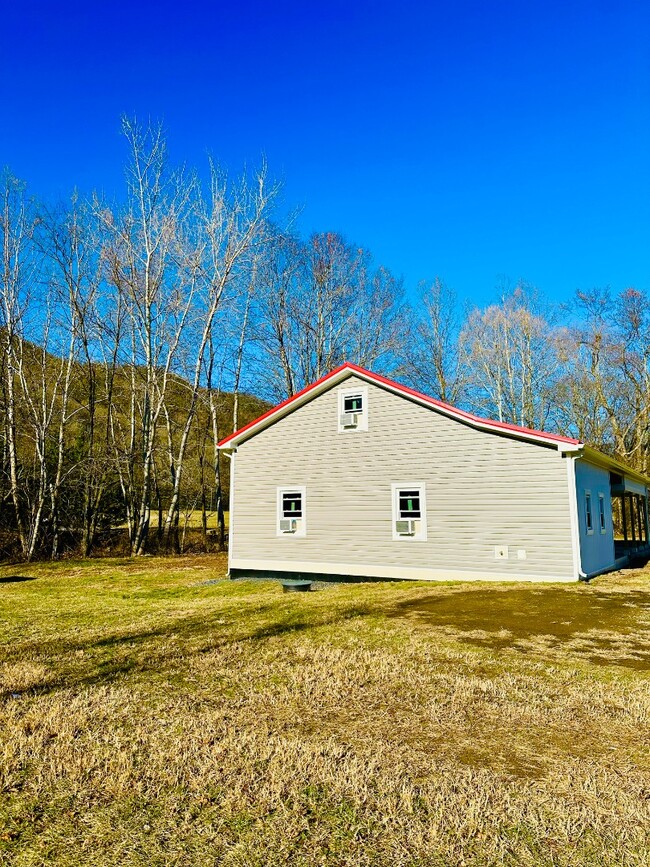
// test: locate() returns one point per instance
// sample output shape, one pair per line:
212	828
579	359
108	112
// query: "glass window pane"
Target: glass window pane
292	504
353	403
409	504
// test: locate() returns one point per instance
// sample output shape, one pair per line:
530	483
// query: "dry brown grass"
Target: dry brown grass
150	718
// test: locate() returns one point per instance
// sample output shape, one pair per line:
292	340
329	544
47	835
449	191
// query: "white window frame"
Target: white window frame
361	390
301	529
421	534
602	514
589	513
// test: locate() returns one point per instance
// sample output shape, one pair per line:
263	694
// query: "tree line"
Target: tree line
135	335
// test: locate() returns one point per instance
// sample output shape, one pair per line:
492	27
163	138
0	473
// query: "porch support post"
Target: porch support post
639	511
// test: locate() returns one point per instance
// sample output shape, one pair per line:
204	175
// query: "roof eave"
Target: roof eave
286	407
607	462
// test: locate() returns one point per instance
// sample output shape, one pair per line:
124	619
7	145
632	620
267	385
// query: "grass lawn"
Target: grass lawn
152	714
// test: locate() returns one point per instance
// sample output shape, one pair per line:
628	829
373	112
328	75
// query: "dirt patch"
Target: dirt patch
606	628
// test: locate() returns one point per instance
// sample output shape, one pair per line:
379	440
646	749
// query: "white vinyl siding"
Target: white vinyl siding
484	490
596	549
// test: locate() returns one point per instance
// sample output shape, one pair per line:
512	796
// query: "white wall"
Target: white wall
596	548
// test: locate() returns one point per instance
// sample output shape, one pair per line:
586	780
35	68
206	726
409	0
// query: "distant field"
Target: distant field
153	714
193	519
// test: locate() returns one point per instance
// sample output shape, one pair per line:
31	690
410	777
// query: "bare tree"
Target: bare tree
19	220
241	346
511	359
320	304
379	331
232	225
45	374
432	352
277	313
214	377
150	268
632	356
332	268
606	392
71	245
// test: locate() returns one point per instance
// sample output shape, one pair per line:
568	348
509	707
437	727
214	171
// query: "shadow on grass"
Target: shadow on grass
163	649
16	579
606	628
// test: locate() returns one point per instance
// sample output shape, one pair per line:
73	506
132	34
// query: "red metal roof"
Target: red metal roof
409	392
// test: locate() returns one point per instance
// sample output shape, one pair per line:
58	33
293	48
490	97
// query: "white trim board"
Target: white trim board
411	573
574	518
231	508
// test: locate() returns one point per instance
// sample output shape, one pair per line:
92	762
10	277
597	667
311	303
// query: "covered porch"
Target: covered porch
629	516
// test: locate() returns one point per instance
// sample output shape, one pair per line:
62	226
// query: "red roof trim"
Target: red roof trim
404	389
282	405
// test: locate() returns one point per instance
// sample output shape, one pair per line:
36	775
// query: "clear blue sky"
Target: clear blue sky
469	140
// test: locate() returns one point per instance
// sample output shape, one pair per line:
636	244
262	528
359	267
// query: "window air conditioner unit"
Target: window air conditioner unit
288	525
349	419
405	528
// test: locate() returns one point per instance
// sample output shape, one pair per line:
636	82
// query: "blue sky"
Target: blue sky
469	140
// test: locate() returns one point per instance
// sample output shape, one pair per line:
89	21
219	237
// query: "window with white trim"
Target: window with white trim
353	403
291	517
409	511
589	518
601	513
353	409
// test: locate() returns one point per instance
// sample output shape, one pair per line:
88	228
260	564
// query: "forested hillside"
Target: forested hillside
78	458
133	334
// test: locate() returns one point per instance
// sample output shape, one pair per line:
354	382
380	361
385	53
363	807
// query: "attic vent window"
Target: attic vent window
409	512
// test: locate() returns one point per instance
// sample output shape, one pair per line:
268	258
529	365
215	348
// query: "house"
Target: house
359	476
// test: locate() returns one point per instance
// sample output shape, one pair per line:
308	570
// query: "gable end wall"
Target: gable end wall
483	490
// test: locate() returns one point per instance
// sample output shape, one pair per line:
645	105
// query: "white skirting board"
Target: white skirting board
391	572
